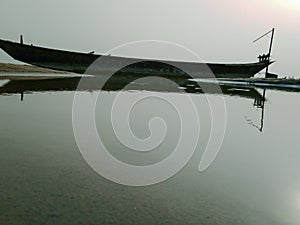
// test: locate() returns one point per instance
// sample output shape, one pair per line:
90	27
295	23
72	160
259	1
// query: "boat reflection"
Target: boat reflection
29	85
90	84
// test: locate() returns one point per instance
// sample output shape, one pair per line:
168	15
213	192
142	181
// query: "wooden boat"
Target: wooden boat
77	62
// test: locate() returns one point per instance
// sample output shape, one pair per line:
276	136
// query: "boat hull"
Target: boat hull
81	63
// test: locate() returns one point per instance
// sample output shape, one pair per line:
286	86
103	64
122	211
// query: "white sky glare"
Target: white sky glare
217	30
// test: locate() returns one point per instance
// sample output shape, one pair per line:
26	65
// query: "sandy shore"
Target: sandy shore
15	68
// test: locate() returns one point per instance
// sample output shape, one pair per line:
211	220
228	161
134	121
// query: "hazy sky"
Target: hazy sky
217	30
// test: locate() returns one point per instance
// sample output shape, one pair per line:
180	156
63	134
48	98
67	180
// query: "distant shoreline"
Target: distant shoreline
16	68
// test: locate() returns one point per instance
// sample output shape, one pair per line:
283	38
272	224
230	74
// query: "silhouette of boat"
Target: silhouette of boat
79	63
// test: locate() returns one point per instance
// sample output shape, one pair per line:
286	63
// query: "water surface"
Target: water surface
45	180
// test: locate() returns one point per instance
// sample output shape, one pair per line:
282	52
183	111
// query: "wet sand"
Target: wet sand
16	68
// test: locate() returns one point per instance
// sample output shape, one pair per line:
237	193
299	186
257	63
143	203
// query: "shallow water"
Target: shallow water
45	180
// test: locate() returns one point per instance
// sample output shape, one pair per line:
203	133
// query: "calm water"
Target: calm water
45	180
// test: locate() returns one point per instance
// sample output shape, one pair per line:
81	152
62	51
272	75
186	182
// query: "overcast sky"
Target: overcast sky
217	30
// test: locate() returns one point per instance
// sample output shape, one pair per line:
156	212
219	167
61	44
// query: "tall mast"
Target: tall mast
270	48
